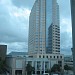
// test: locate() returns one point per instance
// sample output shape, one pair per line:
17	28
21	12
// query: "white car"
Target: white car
46	74
55	74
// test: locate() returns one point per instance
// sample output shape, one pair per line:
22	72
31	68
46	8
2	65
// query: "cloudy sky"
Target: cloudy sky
14	24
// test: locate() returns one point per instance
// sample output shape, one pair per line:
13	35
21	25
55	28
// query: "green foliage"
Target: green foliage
2	66
49	71
55	68
29	69
66	67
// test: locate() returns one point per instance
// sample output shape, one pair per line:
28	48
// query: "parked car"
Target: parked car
46	74
55	74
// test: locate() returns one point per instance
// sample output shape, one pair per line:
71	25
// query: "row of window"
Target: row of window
50	56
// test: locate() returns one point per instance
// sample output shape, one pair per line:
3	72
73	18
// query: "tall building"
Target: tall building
44	28
73	30
3	50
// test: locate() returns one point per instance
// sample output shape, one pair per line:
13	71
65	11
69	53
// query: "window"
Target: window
60	63
57	56
50	56
47	56
60	56
43	56
39	56
54	56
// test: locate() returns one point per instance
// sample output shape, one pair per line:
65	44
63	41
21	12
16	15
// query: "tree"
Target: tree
66	67
49	71
29	69
2	66
55	68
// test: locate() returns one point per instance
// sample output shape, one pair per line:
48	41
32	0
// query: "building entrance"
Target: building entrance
18	72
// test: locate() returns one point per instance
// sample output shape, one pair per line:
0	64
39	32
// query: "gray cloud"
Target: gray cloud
66	36
12	28
65	25
23	3
64	8
66	51
66	40
14	23
16	46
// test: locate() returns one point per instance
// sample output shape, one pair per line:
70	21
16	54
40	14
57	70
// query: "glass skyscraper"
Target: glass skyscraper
44	28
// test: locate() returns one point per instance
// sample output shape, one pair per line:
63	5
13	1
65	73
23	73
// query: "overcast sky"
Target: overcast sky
14	24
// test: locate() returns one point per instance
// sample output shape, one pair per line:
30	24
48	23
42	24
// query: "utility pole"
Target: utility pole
73	30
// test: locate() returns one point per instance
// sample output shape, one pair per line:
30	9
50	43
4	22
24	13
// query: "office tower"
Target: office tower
73	30
3	50
44	28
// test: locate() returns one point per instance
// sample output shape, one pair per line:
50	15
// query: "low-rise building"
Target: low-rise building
41	63
68	60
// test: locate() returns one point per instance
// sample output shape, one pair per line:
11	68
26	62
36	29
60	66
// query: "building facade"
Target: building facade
3	51
42	63
68	60
44	27
73	30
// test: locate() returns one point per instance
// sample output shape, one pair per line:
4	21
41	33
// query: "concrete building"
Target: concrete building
44	28
73	30
3	50
68	60
17	64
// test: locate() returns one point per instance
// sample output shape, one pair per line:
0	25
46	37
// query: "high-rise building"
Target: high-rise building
73	30
44	28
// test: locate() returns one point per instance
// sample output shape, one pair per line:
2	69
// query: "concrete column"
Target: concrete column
13	71
23	71
44	66
32	63
49	64
41	68
26	63
35	67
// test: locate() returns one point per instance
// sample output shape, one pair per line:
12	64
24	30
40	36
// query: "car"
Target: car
55	74
45	73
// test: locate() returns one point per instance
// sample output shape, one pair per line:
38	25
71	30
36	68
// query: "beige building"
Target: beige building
17	63
44	28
